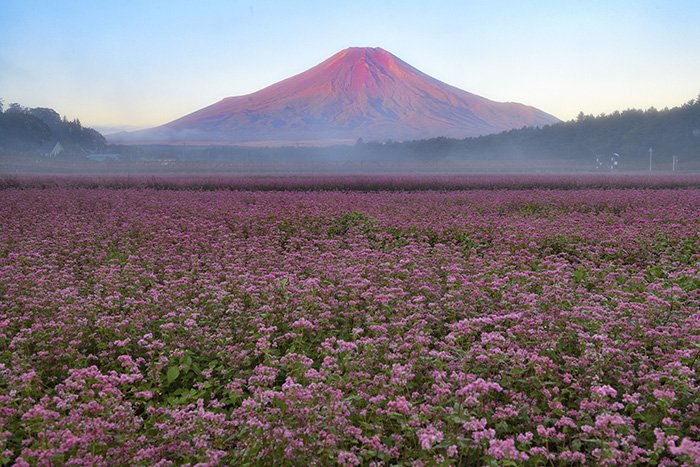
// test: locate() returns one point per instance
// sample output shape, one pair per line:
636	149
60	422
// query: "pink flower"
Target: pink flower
452	450
505	449
347	458
664	394
688	448
400	405
429	436
604	391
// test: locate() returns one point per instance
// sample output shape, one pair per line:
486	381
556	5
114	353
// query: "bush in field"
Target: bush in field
142	326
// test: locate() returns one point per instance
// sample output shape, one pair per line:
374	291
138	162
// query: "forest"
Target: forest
629	134
35	131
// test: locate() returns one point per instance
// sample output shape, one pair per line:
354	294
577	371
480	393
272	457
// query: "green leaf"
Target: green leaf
173	373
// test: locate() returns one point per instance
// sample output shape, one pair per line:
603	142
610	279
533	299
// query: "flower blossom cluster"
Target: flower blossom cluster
144	326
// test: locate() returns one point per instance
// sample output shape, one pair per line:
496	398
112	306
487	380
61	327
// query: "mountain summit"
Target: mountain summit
360	92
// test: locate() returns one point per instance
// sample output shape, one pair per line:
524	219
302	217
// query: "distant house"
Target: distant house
103	157
57	149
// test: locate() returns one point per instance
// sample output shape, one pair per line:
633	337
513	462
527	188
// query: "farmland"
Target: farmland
175	323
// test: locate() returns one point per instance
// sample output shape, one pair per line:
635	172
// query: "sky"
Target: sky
141	63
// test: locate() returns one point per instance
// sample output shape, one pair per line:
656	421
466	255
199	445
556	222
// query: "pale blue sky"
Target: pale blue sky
143	63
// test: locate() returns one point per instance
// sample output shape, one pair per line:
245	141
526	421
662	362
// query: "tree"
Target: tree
28	130
2	104
16	108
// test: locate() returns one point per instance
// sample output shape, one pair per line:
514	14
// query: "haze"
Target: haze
141	64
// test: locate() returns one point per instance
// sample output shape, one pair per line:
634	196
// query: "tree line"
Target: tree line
35	131
629	134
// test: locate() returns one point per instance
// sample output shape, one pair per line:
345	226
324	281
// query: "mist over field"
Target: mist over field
40	141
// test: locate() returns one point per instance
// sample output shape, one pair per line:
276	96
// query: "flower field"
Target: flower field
148	326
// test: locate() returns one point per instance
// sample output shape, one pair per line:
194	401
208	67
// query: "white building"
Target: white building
57	149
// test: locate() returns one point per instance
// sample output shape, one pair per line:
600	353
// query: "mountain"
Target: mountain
357	93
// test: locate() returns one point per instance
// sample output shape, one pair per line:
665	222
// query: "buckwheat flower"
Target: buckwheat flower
541	451
566	421
664	394
400	404
487	434
472	391
145	339
347	458
39	411
660	442
605	420
20	462
400	374
604	391
290	384
429	436
235	386
505	449
313	375
474	424
127	361
546	432
28	376
667	421
573	457
346	346
689	448
303	323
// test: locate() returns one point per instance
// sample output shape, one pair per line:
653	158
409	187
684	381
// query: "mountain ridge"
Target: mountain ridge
359	92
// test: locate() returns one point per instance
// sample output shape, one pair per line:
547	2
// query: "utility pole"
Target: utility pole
651	152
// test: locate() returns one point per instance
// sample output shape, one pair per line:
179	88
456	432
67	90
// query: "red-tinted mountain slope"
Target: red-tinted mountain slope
358	92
